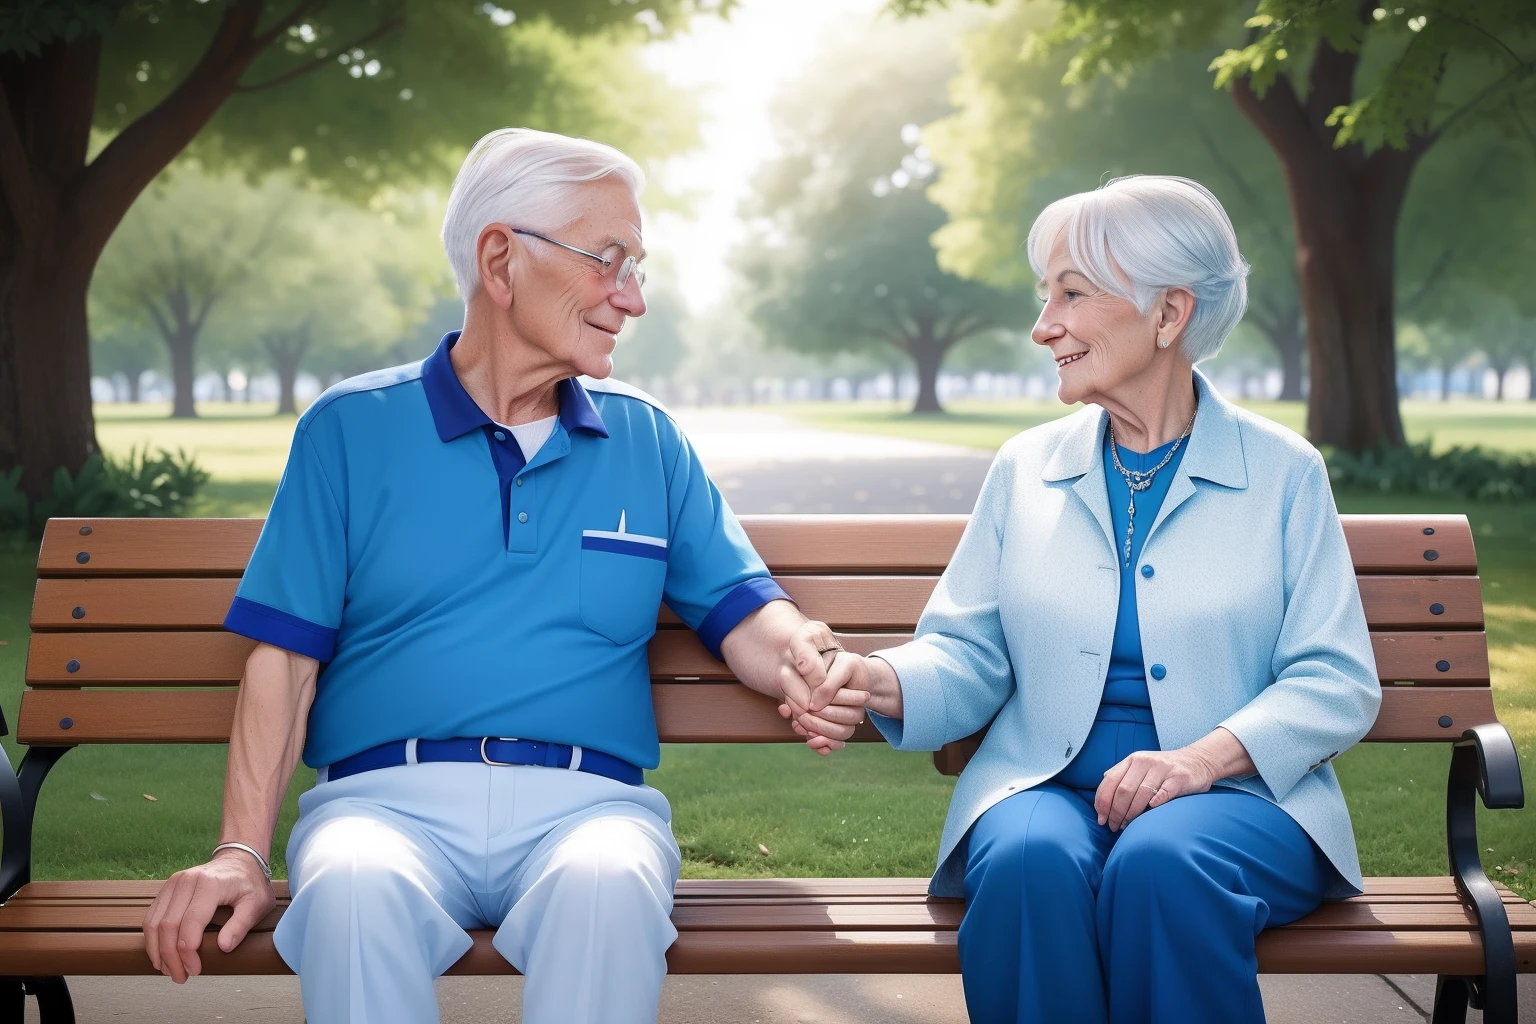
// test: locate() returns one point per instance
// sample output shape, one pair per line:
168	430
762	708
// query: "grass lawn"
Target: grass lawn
1510	426
866	811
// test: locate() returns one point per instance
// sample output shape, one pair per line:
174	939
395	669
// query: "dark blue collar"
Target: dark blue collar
456	414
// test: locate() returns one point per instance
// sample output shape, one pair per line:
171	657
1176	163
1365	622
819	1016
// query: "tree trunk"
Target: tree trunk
1344	207
183	348
57	212
287	351
927	356
1445	382
135	380
1285	336
286	376
46	421
1501	371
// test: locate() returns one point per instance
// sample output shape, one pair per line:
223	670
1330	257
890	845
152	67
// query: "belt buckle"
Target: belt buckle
485	758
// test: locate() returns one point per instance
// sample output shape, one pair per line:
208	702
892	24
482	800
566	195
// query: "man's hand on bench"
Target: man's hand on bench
177	920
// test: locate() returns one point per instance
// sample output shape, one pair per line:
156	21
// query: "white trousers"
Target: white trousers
389	867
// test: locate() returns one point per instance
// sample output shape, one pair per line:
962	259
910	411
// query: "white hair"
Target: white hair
1144	233
524	179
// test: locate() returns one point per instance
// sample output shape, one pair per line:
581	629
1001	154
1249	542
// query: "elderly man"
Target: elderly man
463	550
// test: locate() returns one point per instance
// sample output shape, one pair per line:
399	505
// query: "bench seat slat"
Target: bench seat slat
844	602
685	713
140	891
1280	951
790	544
206	658
1425	887
809	915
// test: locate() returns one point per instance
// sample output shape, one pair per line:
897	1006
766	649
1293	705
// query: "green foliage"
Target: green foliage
139	484
25	25
1426	64
841	260
1474	472
361	93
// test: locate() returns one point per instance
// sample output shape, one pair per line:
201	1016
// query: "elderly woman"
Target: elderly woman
1154	609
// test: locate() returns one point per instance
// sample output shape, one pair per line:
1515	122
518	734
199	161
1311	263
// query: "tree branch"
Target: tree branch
1436	271
1513	76
383	29
1245	188
139	152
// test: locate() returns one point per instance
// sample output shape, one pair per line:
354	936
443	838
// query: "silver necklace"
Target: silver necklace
1139	480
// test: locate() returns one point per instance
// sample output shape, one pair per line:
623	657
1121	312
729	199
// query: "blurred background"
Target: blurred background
211	210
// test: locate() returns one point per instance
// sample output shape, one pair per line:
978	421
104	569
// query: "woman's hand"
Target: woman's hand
1150	778
822	709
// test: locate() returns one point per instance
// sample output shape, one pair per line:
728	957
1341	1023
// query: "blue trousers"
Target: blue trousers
1067	921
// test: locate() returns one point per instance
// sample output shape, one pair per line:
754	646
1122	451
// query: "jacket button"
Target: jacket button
1146	572
1158	672
500	436
522	517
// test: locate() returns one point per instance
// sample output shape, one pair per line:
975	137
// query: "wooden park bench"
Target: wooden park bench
127	647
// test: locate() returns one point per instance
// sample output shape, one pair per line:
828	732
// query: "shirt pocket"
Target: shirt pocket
622	575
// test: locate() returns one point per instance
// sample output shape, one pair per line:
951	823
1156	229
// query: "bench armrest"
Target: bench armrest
18	806
1484	764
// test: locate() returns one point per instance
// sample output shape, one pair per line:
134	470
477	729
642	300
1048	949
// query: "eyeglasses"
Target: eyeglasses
629	266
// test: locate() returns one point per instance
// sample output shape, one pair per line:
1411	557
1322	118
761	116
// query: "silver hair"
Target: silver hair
524	179
1144	233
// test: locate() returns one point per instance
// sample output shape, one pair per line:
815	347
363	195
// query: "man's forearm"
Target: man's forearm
755	648
265	743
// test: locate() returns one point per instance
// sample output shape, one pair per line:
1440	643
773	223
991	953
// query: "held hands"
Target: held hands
174	926
826	688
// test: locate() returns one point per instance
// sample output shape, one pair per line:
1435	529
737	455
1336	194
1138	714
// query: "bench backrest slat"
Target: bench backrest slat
685	713
844	602
128	644
915	544
216	658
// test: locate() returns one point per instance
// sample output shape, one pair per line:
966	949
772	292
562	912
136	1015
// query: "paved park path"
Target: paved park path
765	463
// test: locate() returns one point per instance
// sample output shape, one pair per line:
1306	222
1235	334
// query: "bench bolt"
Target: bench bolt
78	613
85	531
1437	609
1431	555
1445	721
66	723
1442	666
83	557
73	666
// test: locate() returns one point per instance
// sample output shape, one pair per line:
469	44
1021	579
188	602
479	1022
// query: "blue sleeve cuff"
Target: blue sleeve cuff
280	629
735	606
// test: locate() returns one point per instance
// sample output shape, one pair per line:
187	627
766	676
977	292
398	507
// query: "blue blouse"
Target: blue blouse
1124	724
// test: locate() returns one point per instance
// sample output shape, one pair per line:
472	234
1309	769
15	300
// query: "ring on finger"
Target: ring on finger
1155	789
835	647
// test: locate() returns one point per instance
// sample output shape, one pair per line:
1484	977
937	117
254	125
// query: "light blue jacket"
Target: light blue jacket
1252	609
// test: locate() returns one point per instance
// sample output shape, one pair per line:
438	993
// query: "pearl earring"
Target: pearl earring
1162	342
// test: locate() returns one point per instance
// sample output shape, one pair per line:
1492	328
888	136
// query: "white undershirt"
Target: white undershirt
531	436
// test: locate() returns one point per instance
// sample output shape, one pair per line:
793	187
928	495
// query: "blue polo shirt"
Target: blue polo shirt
449	588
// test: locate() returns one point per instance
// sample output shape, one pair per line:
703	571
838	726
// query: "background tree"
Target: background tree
191	247
1349	96
654	345
1020	140
354	94
125	349
841	259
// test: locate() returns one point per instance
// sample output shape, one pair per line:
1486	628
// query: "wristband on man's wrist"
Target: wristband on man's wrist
266	868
